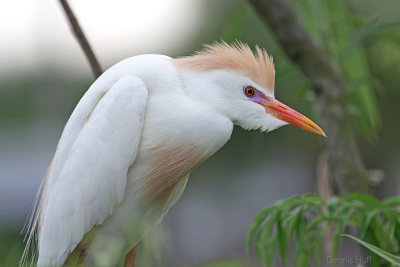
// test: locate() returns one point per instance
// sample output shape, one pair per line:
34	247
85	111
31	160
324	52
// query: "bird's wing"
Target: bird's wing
88	178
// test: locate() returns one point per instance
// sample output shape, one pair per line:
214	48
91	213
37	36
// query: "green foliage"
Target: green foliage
341	34
380	252
305	219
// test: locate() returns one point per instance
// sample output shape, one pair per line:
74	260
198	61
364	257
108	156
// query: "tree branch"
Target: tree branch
80	36
345	167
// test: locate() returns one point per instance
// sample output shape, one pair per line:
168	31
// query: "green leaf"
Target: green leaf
293	220
397	236
370	200
316	221
313	200
265	241
283	239
332	203
391	213
384	254
391	202
340	229
255	225
304	258
367	221
300	231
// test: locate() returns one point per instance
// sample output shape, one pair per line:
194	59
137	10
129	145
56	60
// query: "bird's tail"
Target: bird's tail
32	225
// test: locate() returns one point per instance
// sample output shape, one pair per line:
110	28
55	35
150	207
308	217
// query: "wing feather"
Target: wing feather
88	178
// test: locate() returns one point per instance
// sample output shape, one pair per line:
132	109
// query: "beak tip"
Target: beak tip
322	133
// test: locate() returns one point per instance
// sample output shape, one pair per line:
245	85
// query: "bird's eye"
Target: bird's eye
249	91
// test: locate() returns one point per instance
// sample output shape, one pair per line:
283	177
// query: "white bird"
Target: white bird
128	148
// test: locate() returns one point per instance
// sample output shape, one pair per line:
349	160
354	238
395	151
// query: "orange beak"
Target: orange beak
284	113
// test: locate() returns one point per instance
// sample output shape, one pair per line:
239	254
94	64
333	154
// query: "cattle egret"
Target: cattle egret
128	148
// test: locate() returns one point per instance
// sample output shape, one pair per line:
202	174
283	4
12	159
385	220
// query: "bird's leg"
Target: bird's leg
130	257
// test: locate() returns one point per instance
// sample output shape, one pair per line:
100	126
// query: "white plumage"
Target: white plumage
129	146
88	177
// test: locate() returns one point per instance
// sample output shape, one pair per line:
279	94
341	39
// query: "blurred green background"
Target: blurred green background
43	74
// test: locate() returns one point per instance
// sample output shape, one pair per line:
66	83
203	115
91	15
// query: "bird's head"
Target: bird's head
239	83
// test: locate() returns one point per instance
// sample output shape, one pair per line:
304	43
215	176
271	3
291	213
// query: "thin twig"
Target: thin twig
80	36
